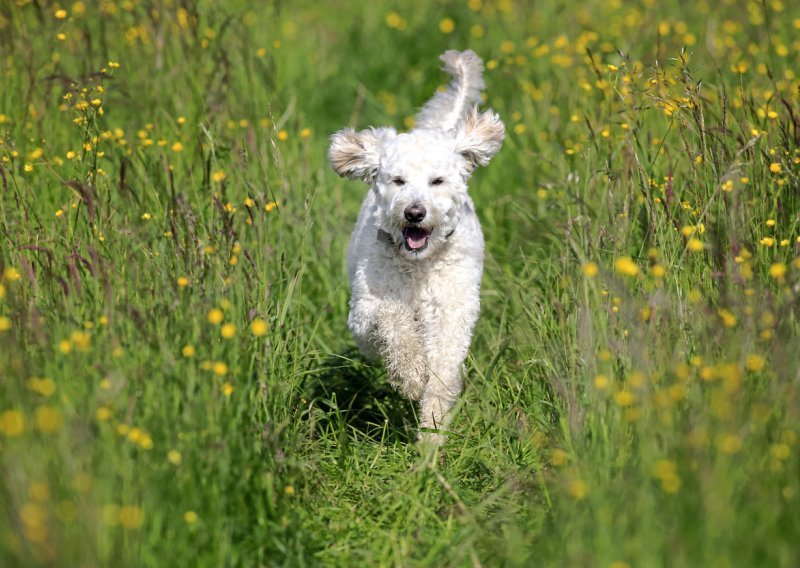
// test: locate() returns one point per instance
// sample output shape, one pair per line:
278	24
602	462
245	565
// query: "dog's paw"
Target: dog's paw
428	439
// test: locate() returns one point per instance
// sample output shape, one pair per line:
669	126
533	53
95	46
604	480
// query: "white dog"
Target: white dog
416	255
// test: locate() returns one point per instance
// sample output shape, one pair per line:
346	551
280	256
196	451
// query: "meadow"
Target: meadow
177	383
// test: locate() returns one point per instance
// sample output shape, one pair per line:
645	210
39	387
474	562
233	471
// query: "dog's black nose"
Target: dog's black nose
415	213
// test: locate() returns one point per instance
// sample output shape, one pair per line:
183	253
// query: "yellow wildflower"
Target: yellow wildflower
781	451
39	491
12	423
44	387
48	419
258	327
695	245
709	373
578	489
80	340
215	316
730	444
624	398
663	468
174	457
728	319
754	363
558	457
228	331
447	25
777	270
131	517
671	483
625	265
590	269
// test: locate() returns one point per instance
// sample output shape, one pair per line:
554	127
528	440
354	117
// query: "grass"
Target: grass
177	384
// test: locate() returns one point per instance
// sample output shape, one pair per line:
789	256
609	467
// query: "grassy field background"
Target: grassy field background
177	383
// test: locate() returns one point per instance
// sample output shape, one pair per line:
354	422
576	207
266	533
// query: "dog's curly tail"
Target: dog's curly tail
446	109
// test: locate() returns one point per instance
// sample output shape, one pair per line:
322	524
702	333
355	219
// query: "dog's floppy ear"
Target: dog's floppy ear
356	155
479	137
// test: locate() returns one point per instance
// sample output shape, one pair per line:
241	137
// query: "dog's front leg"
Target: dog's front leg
437	401
392	330
400	344
447	349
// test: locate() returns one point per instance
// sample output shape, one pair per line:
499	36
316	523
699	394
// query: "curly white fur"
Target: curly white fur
415	258
447	108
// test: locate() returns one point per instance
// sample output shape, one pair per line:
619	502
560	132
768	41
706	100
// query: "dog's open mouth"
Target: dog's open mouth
416	238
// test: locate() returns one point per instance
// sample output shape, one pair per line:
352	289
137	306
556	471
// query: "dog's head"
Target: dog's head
420	177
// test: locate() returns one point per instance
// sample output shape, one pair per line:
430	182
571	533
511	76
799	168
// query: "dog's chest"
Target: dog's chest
419	284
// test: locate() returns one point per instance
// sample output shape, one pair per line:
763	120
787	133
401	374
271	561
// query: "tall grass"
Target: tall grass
177	385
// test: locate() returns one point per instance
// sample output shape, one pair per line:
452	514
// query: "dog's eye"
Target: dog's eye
437	181
398	181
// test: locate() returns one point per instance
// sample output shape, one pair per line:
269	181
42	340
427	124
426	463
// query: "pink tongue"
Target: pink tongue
416	238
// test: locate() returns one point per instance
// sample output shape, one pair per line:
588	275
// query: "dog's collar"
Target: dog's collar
386	238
